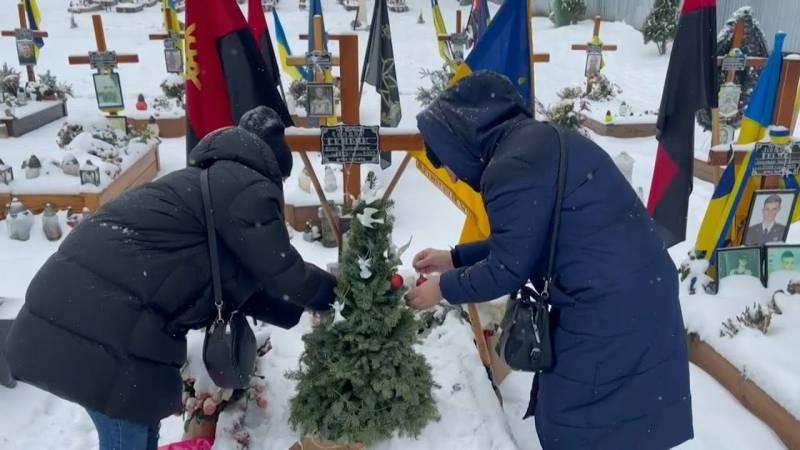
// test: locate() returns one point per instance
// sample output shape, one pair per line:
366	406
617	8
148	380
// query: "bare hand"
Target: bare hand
427	295
431	260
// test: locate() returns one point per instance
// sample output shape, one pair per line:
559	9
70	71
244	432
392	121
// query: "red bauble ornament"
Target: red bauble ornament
421	279
396	281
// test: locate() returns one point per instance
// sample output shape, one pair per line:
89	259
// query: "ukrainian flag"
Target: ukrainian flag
171	22
758	115
438	25
731	200
504	48
296	73
34	21
721	209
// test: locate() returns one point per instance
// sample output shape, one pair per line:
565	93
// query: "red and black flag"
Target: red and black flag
690	85
258	26
224	69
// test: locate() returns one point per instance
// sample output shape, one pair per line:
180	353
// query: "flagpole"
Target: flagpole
529	15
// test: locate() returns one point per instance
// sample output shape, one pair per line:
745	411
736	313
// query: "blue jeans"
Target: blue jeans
118	434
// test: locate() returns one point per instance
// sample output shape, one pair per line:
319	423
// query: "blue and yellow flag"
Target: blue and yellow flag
758	115
441	29
34	22
504	48
731	199
171	22
721	210
284	51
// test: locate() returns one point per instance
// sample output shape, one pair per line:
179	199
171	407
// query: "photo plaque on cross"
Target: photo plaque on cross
26	47
173	56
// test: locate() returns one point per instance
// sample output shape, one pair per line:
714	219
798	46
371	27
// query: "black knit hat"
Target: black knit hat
267	124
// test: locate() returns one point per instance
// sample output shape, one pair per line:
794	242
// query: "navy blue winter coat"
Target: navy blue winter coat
621	374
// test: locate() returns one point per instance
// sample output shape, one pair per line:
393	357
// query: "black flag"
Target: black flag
379	68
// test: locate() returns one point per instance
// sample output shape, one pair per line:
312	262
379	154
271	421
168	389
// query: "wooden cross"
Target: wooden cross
23	28
170	26
453	40
730	76
348	64
170	34
100	39
594	42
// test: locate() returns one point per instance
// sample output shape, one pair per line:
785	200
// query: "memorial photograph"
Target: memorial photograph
320	100
109	91
769	219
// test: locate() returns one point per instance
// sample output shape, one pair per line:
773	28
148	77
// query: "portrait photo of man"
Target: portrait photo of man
739	261
26	52
782	265
782	258
320	100
770	215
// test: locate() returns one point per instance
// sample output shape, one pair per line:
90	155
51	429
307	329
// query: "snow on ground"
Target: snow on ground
471	415
472	419
762	358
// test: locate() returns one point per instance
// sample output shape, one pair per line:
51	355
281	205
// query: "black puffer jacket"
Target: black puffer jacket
105	318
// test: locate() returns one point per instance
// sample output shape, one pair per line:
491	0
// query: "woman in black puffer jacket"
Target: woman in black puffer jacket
105	318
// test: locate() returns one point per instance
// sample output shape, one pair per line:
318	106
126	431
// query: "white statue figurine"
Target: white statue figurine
50	224
19	221
330	180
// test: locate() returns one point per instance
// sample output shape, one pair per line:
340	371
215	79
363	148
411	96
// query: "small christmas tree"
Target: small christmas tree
661	24
754	44
568	11
360	380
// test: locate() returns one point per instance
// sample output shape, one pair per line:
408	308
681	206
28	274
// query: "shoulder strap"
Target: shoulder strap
556	222
216	280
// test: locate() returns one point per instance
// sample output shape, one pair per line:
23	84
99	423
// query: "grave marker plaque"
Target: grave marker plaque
776	159
345	144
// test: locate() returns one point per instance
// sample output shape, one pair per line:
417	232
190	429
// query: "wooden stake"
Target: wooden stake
531	63
715	140
99	34
752	397
396	177
349	79
480	339
326	207
596	30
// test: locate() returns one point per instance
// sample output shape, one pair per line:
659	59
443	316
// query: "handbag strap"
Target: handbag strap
216	282
556	221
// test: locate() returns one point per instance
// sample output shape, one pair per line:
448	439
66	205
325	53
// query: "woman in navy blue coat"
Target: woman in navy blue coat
621	375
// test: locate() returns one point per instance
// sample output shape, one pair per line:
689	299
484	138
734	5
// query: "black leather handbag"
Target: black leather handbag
525	341
229	349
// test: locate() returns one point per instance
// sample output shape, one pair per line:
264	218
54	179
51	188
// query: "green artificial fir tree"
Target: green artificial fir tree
360	380
661	24
568	11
